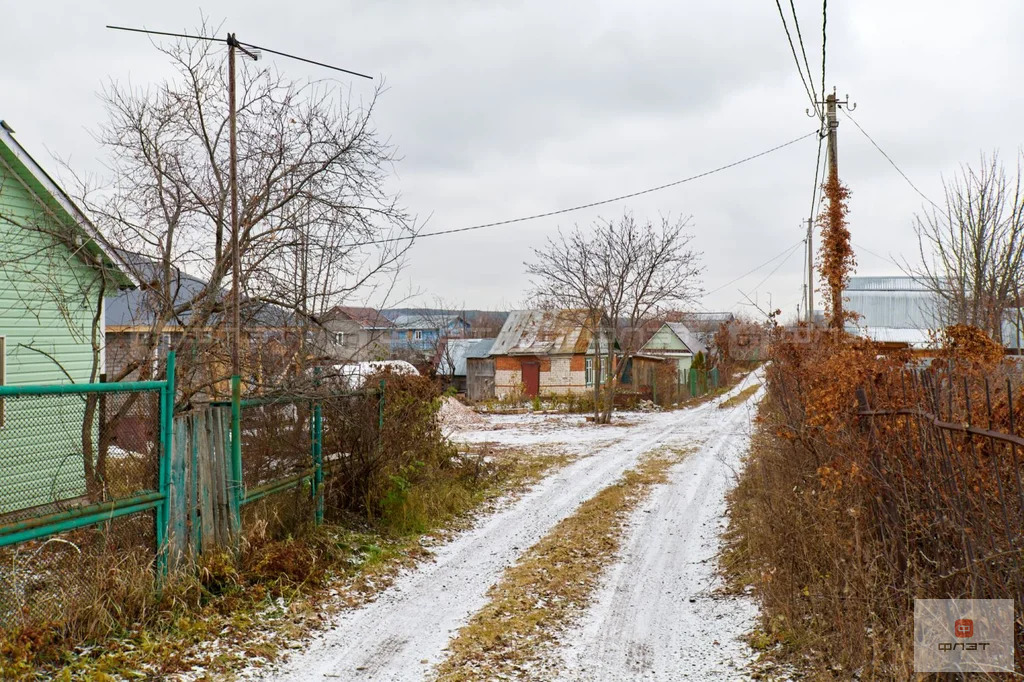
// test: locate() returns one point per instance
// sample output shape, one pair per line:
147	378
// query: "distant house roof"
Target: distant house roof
54	199
543	332
887	283
459	351
915	338
136	308
369	318
428	321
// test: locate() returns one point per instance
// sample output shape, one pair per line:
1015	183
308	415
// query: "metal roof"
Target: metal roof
887	283
543	332
460	350
425	321
689	339
35	178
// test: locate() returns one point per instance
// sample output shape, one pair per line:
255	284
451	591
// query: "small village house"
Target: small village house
418	335
356	334
704	326
53	276
544	351
674	341
271	333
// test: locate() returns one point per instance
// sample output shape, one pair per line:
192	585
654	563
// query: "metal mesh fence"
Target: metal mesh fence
48	580
276	441
66	450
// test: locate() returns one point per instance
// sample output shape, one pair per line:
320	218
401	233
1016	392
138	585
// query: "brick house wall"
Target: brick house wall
559	374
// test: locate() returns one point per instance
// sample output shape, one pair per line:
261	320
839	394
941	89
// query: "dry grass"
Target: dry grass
551	582
740	397
231	614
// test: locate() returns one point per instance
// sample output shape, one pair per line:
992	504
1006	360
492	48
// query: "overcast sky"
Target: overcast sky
507	109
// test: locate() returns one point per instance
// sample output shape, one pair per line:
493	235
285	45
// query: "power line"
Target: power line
581	207
876	255
250	45
889	159
799	69
788	250
777	267
824	41
800	39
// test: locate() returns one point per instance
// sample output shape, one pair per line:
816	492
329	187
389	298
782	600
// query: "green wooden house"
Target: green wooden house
675	341
53	278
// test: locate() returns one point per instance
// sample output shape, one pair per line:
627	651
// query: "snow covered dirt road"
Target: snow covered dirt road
403	634
656	616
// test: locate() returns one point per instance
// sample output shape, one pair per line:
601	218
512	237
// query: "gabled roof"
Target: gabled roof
543	332
368	318
425	321
56	202
688	338
136	307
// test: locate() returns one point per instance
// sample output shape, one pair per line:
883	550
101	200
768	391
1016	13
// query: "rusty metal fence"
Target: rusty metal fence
945	465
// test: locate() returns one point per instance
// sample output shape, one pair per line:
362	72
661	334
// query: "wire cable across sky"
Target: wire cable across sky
581	207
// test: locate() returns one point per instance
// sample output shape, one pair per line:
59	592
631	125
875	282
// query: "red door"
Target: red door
531	377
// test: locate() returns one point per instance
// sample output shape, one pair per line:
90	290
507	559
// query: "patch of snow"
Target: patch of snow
353	375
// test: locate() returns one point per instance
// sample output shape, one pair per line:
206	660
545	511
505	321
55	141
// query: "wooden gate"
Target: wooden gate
480	379
200	484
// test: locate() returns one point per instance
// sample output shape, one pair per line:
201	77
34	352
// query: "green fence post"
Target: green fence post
164	469
236	455
318	463
380	408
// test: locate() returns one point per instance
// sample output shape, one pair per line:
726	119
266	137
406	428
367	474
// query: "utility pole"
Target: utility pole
831	122
810	271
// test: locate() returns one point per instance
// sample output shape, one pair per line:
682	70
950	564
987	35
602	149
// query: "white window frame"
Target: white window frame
588	371
417	335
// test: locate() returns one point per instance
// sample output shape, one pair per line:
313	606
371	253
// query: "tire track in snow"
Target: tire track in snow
403	634
654	617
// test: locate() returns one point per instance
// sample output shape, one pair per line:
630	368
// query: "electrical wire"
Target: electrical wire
799	69
803	51
889	159
824	41
777	267
787	251
581	207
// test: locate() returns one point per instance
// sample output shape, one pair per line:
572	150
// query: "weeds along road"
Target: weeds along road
403	634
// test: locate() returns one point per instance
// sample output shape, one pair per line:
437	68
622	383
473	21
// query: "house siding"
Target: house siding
47	342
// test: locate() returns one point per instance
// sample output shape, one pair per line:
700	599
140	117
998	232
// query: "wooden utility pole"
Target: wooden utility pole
833	127
236	259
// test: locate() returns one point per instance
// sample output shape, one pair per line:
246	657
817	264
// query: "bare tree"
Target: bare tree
311	181
972	247
619	275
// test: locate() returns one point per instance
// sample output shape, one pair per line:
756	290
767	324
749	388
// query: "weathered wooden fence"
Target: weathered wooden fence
201	515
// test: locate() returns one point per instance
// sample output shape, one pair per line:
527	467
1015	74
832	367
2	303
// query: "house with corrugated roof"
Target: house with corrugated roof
675	341
545	351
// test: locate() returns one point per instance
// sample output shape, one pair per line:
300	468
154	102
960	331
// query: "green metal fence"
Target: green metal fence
84	477
101	474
